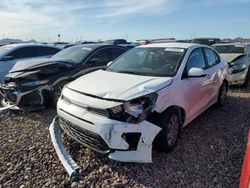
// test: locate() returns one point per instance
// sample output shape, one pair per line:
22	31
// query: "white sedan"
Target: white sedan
141	99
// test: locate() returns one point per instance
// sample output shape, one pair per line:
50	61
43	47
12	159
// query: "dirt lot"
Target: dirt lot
209	153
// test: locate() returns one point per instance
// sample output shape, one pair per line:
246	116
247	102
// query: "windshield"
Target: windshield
230	49
4	49
157	61
75	54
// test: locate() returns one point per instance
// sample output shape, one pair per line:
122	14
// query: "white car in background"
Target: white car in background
238	57
141	99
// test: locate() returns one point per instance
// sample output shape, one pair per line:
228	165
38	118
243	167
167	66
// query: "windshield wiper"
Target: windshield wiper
131	72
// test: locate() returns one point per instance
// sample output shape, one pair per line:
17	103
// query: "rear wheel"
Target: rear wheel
169	121
222	97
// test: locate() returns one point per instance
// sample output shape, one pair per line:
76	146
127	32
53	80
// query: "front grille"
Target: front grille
97	111
87	138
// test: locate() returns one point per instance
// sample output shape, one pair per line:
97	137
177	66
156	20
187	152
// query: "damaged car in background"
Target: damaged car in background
141	99
238	57
34	85
11	53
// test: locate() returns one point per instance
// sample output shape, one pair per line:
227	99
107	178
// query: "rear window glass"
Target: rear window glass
204	41
237	49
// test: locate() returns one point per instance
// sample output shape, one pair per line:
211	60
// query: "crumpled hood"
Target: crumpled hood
33	63
231	57
118	86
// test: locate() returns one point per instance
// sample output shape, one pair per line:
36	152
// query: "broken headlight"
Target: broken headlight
135	110
35	83
238	68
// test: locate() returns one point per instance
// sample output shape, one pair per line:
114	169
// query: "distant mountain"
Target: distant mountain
10	41
7	40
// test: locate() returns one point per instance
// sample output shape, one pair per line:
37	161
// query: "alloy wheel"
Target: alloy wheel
173	129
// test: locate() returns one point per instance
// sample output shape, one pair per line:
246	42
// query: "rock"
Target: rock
74	185
117	185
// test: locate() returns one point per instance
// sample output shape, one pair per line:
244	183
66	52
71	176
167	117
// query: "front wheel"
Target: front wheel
222	97
246	82
57	92
166	140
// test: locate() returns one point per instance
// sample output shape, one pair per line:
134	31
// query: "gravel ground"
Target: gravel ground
209	153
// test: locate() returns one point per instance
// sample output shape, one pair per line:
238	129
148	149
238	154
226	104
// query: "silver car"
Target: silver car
10	54
238	57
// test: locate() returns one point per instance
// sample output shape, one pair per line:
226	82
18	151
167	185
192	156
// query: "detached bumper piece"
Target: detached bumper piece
8	107
68	163
27	100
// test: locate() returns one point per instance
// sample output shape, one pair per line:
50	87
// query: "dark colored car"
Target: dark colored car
116	41
34	85
206	41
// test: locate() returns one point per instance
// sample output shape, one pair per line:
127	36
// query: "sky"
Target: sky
76	20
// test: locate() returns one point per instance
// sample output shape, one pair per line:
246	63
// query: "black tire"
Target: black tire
222	97
167	138
245	84
57	92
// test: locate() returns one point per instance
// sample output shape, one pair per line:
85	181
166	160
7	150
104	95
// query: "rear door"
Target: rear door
212	70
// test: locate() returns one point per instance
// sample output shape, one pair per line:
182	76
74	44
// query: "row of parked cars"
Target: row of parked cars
122	102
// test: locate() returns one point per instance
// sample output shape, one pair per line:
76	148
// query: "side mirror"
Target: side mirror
109	63
7	58
196	72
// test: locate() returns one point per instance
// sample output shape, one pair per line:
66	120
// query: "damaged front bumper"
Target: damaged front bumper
122	141
237	78
68	163
29	100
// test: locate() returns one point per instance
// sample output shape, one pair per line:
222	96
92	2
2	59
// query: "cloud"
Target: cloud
21	17
218	2
121	8
26	16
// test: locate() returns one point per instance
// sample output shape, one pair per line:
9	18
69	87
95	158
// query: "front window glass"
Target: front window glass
149	61
229	49
196	60
75	54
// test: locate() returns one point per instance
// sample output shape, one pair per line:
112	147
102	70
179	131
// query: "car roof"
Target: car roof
95	45
171	44
205	38
232	43
27	45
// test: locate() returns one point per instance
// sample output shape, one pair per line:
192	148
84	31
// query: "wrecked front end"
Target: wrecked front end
117	128
31	89
17	96
238	68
